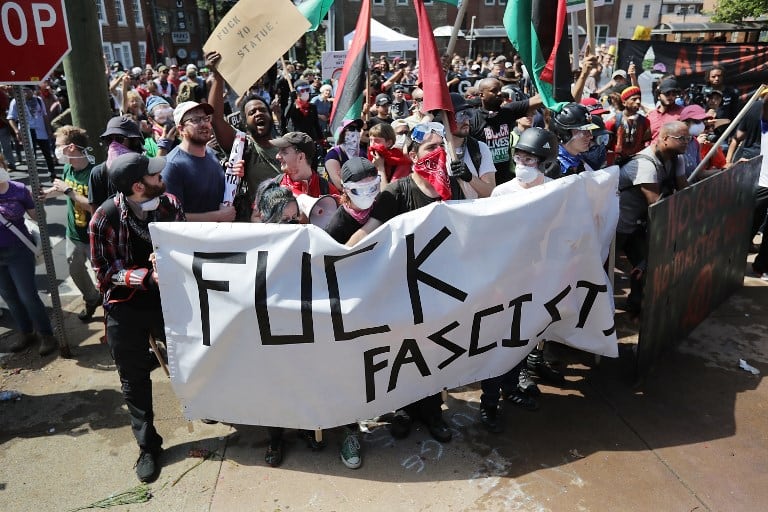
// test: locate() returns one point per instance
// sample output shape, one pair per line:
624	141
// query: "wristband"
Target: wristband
67	191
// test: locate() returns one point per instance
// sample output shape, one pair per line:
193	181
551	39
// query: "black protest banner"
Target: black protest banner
697	252
744	65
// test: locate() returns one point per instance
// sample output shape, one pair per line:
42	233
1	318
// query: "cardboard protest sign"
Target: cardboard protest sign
273	324
252	36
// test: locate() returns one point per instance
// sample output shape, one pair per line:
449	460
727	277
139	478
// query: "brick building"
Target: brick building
134	31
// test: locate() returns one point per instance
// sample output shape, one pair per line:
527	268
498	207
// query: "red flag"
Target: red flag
431	74
149	48
350	90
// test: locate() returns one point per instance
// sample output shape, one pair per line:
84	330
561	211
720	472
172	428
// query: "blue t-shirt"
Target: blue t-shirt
197	182
13	204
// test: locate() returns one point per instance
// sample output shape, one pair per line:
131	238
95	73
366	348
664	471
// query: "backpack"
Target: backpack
667	184
187	92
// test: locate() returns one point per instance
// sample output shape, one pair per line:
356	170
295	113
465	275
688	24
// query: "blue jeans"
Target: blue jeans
18	289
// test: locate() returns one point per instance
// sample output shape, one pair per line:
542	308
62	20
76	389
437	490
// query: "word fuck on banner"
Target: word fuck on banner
280	325
252	36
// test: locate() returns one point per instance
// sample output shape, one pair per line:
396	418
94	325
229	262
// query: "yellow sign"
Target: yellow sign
252	36
642	33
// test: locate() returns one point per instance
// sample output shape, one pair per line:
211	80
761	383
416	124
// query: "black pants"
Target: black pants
635	246
759	217
128	330
493	387
44	145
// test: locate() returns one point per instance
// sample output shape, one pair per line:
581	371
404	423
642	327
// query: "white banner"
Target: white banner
279	325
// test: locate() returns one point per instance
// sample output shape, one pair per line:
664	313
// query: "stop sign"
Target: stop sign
34	38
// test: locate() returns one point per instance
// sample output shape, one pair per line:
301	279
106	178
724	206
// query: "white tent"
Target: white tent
384	39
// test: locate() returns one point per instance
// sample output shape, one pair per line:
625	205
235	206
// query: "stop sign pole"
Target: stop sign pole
35	38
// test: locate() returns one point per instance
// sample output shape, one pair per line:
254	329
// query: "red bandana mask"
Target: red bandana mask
392	156
432	168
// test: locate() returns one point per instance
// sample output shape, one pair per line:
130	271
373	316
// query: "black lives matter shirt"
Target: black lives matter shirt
495	129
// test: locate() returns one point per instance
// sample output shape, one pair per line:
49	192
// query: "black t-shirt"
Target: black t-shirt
342	226
495	129
731	105
99	185
399	197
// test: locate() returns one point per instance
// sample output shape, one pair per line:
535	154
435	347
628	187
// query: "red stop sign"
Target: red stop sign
34	38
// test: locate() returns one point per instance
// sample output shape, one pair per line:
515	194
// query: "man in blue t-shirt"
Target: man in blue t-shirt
192	173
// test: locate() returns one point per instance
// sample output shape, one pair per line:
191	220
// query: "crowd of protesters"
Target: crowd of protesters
172	131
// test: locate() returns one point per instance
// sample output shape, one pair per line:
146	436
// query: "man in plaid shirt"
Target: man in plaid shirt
120	253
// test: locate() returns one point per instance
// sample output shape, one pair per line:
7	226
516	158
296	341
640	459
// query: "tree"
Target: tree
734	11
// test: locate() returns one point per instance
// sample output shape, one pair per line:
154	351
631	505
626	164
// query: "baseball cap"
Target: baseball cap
695	112
459	103
129	168
619	72
475	67
155	101
399	87
122	125
594	106
299	140
162	68
136	71
499	59
185	106
191	68
356	169
175	66
383	99
668	84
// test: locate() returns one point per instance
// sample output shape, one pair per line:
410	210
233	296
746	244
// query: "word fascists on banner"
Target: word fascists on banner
409	352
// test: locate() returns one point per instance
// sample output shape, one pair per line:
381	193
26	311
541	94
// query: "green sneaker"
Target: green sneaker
350	451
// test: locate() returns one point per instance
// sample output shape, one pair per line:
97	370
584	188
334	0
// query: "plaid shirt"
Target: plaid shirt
111	251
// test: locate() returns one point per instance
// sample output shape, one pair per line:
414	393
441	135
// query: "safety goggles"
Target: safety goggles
302	89
530	161
422	131
363	189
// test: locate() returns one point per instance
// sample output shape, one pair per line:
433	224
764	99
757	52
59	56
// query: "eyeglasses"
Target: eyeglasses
363	189
671	92
302	89
199	119
418	100
530	161
464	115
684	138
422	131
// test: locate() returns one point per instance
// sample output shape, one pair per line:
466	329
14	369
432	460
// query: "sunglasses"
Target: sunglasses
422	131
464	115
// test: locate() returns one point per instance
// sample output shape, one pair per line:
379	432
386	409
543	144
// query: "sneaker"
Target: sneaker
438	429
274	455
526	384
48	343
490	419
764	277
22	341
312	443
522	400
147	468
400	426
545	370
350	451
90	308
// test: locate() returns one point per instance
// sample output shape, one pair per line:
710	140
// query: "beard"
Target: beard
153	191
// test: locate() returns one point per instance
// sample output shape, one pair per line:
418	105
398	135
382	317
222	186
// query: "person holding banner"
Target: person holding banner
426	184
120	252
652	174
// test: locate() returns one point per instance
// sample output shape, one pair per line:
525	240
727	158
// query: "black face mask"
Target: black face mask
595	156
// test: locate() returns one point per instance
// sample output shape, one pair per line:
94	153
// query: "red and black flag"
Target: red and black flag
431	73
538	32
350	93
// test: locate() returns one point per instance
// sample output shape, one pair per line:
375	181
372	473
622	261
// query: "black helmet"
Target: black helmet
573	116
542	143
514	93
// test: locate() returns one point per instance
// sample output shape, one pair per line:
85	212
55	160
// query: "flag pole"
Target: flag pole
590	13
456	25
366	106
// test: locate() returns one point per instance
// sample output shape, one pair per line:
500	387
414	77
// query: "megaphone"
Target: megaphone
318	210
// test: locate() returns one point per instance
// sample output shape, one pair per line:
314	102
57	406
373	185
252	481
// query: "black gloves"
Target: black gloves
460	170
